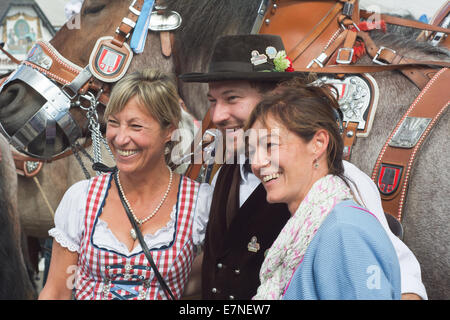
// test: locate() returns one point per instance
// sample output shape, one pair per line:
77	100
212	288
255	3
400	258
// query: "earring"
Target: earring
316	164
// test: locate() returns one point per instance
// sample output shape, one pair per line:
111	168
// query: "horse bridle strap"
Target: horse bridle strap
24	166
393	166
386	59
128	23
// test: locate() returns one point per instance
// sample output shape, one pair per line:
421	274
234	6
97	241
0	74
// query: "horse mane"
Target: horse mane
204	21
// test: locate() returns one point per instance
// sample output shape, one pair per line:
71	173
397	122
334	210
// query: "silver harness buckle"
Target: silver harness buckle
133	9
376	60
349	60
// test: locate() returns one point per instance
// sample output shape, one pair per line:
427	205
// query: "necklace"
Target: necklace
140	222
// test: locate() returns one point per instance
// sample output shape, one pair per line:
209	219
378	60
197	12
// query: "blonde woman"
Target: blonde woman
92	230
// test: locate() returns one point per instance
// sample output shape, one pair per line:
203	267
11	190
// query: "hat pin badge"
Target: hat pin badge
258	58
271	52
253	245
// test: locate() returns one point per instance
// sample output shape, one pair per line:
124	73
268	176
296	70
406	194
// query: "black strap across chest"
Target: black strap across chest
162	282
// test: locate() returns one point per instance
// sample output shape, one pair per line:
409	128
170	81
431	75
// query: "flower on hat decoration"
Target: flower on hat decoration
277	60
282	62
290	68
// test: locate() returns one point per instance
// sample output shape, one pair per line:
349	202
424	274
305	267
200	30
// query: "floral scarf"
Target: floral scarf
287	252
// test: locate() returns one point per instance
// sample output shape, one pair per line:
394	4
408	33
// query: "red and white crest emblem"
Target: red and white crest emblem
108	62
389	178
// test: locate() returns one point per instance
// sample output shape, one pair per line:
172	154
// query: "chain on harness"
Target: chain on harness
94	127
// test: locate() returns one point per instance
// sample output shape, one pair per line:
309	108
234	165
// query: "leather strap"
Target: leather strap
61	70
438	38
349	137
404	22
419	75
441	14
163	283
417	71
346	52
23	169
318	29
128	23
166	43
3	80
431	103
322	59
20	157
363	68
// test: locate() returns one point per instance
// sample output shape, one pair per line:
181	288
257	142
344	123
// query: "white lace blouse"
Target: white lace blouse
70	215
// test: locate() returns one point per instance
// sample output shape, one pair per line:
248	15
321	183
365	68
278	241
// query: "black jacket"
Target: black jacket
232	260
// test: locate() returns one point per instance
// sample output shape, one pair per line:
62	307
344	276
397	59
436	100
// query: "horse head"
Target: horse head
22	100
72	45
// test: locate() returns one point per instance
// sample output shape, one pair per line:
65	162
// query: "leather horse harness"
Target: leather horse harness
64	84
332	38
327	41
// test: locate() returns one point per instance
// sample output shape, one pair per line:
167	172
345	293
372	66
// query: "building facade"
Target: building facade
22	22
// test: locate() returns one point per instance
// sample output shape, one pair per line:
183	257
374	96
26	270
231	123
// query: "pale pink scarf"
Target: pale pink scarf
287	252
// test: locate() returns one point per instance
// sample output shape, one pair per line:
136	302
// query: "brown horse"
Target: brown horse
39	197
203	21
15	282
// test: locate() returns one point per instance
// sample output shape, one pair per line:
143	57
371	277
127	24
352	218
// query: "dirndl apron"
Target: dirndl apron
105	274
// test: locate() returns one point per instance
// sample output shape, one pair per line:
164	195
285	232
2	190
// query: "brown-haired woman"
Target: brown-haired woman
331	247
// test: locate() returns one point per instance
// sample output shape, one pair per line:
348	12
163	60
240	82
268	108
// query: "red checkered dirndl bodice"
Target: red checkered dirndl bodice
105	274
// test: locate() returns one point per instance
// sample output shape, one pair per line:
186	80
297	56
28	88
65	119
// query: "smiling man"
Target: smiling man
242	224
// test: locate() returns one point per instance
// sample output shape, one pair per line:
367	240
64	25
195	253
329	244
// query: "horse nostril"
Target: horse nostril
12	99
7	96
18	103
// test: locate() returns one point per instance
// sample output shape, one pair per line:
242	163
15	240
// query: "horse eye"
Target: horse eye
94	9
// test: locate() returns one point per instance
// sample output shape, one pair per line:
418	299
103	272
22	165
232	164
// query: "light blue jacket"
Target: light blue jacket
350	257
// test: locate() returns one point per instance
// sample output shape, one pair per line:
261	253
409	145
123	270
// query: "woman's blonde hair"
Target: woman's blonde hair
154	89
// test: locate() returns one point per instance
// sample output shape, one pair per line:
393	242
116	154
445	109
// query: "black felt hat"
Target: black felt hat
256	57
